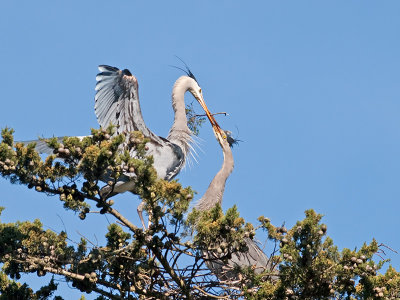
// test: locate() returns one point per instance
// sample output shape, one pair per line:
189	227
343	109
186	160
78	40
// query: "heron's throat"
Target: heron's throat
215	190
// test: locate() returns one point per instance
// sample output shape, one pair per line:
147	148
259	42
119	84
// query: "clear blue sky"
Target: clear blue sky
312	88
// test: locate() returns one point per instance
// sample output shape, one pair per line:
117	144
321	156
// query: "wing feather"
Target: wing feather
117	102
104	68
41	145
116	94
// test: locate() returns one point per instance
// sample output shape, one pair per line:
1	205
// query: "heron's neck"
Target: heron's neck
180	133
215	190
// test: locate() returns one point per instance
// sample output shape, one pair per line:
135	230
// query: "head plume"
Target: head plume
187	71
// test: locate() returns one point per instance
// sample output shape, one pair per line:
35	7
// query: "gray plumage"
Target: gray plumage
215	190
41	145
117	103
254	257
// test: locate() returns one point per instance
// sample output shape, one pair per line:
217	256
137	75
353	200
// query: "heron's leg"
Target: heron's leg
139	211
149	222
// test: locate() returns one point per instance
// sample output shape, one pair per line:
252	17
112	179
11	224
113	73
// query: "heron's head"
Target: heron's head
192	85
194	88
224	137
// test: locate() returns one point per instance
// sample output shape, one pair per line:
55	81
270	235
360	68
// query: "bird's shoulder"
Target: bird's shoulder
168	157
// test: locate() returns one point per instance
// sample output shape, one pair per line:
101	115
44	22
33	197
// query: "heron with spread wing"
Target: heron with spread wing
117	103
254	257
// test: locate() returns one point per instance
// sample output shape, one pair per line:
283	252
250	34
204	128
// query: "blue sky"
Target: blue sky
312	89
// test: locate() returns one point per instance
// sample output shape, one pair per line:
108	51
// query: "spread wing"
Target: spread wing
41	145
117	101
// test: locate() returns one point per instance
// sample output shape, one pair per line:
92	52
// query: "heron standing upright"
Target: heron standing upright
254	257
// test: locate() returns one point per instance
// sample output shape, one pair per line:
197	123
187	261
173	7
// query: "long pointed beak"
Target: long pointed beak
210	117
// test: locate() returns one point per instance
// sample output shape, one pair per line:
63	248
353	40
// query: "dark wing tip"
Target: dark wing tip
103	68
126	72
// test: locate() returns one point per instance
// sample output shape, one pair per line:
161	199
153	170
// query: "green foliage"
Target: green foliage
311	267
116	237
168	259
26	247
194	121
7	136
11	289
219	232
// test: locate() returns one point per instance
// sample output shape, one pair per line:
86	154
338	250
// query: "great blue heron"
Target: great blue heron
117	103
254	257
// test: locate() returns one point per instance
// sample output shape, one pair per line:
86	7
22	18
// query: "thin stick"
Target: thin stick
94	245
208	294
219	113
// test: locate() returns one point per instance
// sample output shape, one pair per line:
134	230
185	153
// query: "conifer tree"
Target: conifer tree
165	261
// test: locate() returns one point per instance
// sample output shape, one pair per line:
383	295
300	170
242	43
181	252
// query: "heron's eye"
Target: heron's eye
200	91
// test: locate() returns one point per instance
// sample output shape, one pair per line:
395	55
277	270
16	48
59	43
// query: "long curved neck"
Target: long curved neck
215	190
180	133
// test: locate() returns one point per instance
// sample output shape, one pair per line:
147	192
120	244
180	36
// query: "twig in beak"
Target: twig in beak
218	113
